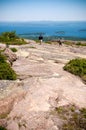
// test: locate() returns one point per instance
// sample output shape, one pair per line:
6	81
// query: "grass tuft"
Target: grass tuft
73	118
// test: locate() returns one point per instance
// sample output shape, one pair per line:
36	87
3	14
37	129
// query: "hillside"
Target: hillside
42	85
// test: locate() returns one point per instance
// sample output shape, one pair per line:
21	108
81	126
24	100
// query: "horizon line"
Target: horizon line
48	21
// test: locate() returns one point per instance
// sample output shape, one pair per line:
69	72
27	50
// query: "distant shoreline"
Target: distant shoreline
50	38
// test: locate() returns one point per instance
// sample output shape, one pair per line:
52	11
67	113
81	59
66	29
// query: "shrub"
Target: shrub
2	128
10	38
14	49
9	35
2	58
6	72
77	67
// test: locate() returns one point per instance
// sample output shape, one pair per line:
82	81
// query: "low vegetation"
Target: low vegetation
32	47
69	43
10	38
49	42
72	117
77	67
75	43
14	49
2	128
80	44
37	41
6	72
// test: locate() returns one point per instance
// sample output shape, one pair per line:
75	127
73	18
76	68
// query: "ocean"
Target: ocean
49	29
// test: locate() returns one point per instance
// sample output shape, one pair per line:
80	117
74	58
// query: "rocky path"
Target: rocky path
46	85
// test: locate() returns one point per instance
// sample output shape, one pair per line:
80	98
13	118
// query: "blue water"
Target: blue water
69	30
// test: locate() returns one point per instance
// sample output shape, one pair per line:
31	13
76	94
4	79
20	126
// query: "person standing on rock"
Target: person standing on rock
40	38
60	42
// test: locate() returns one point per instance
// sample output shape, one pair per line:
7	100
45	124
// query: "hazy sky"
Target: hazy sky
35	10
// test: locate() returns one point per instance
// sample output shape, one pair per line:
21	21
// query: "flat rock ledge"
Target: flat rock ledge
42	85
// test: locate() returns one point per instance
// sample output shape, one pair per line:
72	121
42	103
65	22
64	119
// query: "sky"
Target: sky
42	10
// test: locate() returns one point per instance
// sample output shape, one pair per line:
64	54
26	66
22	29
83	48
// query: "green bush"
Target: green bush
10	38
14	49
2	58
2	128
9	35
77	67
6	72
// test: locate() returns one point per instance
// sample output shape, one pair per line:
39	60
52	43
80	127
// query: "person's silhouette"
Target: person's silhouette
41	38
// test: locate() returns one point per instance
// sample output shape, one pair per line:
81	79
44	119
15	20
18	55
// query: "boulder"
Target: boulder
2	46
11	56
